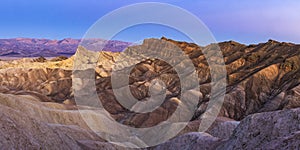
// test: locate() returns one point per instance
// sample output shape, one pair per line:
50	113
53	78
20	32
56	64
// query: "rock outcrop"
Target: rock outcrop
263	91
271	130
25	121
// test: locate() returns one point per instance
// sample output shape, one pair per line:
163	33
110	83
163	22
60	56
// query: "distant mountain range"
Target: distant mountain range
28	47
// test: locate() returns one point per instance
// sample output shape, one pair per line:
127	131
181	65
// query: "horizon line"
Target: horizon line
217	41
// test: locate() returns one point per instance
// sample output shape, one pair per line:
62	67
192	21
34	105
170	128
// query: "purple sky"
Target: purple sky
243	21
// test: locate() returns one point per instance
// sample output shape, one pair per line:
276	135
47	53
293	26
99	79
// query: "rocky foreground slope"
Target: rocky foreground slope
260	110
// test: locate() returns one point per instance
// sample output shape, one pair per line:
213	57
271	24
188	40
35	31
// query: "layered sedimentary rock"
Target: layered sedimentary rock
260	78
27	123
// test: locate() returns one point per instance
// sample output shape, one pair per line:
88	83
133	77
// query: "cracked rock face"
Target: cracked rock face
262	78
272	130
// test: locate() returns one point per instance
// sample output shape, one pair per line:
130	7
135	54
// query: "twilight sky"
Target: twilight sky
243	21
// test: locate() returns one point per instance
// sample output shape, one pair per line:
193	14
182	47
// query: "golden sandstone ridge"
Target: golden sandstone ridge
260	109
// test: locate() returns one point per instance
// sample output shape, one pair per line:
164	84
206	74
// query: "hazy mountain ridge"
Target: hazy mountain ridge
28	47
